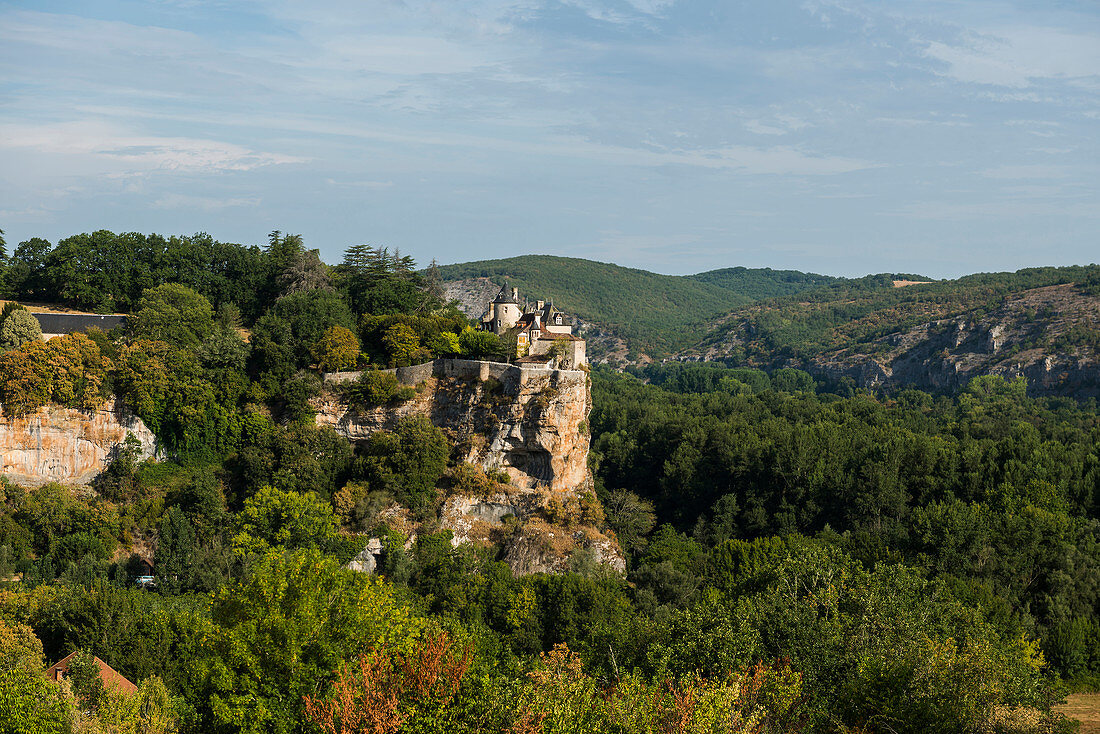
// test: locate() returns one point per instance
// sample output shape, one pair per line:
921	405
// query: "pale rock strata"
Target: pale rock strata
65	445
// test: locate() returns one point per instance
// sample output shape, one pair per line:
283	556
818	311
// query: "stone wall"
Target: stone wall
65	445
457	369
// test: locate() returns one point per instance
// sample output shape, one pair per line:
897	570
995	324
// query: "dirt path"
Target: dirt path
1085	707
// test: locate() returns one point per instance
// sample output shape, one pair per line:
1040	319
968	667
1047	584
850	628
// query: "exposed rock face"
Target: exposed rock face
473	295
530	424
1044	335
65	445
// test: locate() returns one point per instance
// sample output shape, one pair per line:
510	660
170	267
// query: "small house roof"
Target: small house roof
111	678
67	323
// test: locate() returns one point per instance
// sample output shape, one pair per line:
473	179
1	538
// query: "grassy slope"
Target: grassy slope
654	312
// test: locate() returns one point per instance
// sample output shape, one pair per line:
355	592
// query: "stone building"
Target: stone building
543	334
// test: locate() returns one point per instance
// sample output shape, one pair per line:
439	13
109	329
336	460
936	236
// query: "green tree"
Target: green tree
26	269
175	548
284	337
282	634
409	461
380	282
18	328
30	704
401	344
274	518
174	314
479	344
87	683
337	349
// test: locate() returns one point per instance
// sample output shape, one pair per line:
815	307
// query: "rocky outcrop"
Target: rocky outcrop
473	295
1050	336
66	445
528	424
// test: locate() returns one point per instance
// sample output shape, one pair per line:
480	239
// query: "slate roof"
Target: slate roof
67	323
504	296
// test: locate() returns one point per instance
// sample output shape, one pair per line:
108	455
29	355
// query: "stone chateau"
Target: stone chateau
543	334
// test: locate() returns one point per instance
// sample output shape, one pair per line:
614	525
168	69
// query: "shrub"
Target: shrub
378	388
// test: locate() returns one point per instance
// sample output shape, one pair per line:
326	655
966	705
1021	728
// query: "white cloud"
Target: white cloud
1019	56
123	151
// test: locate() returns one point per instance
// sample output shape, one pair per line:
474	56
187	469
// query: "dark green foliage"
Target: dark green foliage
299	457
137	633
761	283
175	548
103	271
283	338
173	313
87	685
991	486
375	387
379	282
407	462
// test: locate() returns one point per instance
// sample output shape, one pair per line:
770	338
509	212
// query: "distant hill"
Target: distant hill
1039	323
760	283
625	308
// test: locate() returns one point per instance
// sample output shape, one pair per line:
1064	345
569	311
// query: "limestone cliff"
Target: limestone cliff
1047	335
530	423
65	445
527	423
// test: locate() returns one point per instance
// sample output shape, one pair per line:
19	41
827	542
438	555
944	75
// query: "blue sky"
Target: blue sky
678	136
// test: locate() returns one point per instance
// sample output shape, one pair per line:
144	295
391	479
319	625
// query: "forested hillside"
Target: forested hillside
801	556
760	283
1041	323
651	313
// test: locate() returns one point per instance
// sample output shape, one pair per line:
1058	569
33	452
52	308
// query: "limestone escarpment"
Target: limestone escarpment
65	445
1046	335
527	423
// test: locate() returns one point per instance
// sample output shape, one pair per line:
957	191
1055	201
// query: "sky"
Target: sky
842	137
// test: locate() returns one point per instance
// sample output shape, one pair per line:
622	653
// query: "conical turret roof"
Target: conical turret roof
505	295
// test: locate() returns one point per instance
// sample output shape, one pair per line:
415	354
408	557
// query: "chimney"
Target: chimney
540	305
515	295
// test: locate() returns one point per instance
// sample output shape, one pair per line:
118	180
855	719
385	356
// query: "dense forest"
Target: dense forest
797	559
